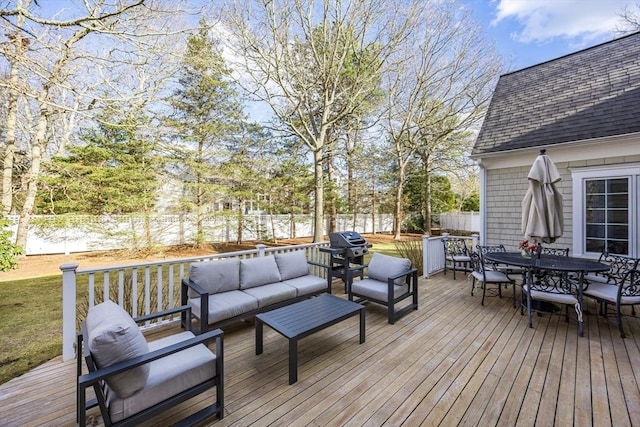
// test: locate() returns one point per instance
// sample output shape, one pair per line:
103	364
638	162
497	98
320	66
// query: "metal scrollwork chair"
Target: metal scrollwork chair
456	255
555	287
626	292
484	274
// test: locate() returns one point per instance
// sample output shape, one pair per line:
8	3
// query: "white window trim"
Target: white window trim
579	175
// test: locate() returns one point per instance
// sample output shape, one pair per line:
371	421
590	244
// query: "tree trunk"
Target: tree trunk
397	210
332	202
239	222
427	200
12	117
318	205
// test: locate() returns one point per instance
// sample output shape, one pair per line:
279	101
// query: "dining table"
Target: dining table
544	262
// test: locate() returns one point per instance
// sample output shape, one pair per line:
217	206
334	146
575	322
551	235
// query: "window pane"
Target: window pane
618	247
618	216
594	230
596	201
596	215
617	201
595	186
618	231
618	185
594	245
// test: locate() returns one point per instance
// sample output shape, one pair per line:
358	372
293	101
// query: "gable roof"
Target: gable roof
588	94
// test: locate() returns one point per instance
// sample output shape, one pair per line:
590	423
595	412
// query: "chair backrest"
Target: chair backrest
618	265
631	283
554	251
557	282
455	247
485	249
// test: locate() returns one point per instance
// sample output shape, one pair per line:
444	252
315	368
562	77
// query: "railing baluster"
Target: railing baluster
92	289
105	286
121	288
134	291
159	289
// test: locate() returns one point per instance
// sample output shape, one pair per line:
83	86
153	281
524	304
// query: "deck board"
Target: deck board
452	362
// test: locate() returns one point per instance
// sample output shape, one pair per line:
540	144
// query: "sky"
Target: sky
528	32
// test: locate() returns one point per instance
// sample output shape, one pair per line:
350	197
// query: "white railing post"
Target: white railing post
474	242
426	264
68	310
261	249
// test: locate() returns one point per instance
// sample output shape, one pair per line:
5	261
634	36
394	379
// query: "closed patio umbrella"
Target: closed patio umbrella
542	205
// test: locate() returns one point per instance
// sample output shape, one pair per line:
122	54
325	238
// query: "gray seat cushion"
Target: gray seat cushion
113	337
376	289
271	293
215	276
225	305
258	271
167	377
308	284
292	264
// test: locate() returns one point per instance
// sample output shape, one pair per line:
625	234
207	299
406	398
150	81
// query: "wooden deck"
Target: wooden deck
452	362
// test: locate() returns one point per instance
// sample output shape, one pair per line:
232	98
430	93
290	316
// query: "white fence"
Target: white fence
462	221
49	234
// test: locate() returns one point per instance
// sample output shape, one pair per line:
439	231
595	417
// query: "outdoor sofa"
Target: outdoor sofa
225	291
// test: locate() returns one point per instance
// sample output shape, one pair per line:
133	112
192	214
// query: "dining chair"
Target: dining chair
554	287
456	255
553	251
625	292
483	273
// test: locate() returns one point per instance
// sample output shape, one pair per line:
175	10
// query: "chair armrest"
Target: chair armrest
404	273
194	286
91	378
181	309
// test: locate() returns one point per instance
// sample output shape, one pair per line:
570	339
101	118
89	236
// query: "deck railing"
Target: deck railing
144	288
433	251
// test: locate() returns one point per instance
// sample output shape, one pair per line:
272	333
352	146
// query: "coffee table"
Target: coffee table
304	318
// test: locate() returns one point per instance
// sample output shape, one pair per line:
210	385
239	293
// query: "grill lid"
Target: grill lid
346	239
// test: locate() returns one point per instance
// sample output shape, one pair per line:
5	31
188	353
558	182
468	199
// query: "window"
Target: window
606	210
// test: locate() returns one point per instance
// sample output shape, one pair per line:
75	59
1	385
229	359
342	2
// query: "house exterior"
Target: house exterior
584	110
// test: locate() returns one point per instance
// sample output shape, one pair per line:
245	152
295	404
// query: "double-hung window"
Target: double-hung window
606	210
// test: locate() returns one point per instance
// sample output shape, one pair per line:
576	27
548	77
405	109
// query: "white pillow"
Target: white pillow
292	264
381	267
258	271
113	337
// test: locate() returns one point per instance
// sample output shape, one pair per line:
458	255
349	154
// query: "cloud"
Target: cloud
542	20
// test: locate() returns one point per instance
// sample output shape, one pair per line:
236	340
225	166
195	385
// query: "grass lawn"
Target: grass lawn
30	324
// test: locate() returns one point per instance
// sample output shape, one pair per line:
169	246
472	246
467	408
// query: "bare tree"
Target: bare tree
316	62
440	93
63	69
631	19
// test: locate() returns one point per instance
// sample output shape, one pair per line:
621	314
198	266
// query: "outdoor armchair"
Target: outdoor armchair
456	255
618	266
388	281
135	380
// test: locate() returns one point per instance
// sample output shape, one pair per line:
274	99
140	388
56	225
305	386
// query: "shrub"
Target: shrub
9	252
411	249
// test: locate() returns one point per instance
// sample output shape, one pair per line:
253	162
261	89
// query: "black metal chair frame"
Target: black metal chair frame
411	279
480	266
551	282
96	377
628	286
456	255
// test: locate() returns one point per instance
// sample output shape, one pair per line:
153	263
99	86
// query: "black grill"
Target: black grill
347	252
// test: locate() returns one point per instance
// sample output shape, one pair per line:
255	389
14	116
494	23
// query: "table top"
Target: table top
548	262
311	314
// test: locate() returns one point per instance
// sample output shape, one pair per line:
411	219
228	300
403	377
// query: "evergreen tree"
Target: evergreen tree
115	171
207	114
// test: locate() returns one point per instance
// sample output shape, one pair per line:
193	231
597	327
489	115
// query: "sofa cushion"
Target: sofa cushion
216	276
167	376
292	264
381	267
271	293
377	289
225	305
308	284
258	271
113	337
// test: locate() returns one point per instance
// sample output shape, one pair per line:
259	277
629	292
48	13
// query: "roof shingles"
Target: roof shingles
588	94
